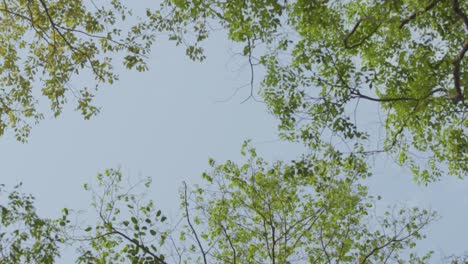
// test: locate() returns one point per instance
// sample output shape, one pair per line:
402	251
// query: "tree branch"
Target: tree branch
456	72
140	246
56	27
417	13
395	239
354	29
459	12
358	94
457	61
230	243
191	226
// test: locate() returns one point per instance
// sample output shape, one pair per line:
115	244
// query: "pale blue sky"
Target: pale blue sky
167	122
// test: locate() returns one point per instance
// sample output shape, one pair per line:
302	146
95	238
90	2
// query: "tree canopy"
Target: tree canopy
310	210
323	59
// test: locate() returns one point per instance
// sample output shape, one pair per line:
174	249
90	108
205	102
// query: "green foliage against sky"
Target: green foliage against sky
311	210
324	58
25	237
46	43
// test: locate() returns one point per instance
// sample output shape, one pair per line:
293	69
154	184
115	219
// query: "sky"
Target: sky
166	123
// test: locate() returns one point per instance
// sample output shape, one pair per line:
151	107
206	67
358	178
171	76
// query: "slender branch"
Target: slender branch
345	40
94	237
388	243
304	219
140	246
6	10
395	138
176	250
354	29
324	246
230	243
317	216
358	94
394	240
418	13
389	255
273	238
191	226
55	28
396	99
251	46
41	31
5	108
101	37
343	243
266	238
